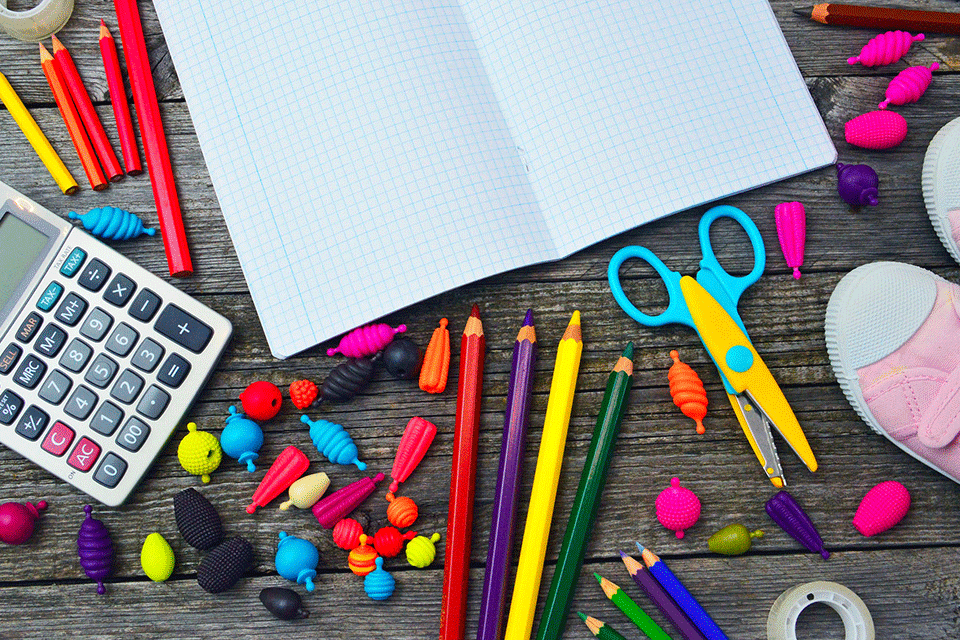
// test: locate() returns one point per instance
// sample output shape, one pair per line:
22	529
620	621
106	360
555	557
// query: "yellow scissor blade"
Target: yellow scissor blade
742	366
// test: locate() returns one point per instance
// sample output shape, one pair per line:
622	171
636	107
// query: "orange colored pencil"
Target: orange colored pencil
118	98
72	120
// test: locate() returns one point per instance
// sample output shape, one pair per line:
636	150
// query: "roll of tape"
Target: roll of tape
33	25
782	621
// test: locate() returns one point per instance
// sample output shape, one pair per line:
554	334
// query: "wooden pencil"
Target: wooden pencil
600	629
456	564
118	99
656	593
848	15
631	609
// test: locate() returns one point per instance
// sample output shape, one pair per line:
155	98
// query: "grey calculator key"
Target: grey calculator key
145	305
10	406
107	418
94	275
97	325
76	356
153	402
29	326
101	371
33	423
9	357
81	403
30	372
148	356
173	371
55	387
110	471
183	328
122	339
133	435
128	387
71	309
119	290
50	341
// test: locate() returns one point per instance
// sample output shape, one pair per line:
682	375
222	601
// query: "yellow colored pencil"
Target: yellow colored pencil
540	512
35	137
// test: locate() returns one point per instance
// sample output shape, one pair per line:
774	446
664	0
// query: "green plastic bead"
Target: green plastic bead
733	540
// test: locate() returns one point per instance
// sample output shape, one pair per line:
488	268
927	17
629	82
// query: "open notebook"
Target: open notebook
369	154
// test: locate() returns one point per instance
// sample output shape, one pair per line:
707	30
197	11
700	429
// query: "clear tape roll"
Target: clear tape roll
782	621
33	25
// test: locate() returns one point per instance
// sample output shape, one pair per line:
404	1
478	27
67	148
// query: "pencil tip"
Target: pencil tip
582	615
44	54
622	554
628	352
57	45
528	319
597	576
801	12
104	32
575	318
475	311
640	547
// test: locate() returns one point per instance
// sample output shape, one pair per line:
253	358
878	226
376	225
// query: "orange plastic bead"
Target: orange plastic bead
436	362
687	391
402	511
363	559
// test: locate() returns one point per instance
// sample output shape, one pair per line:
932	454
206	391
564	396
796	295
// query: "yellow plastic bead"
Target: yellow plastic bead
305	492
422	550
199	453
156	558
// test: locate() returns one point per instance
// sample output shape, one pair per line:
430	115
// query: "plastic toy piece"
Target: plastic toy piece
289	465
876	130
402	511
110	223
261	400
305	492
241	439
156	558
347	380
366	341
389	541
883	507
733	540
379	584
17	520
885	48
436	362
785	511
197	520
791	219
220	569
333	442
336	506
687	391
416	439
422	550
297	560
199	453
403	359
95	549
362	560
303	393
346	534
857	184
909	85
678	508
283	603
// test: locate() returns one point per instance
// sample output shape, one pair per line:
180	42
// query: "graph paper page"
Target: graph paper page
358	153
627	111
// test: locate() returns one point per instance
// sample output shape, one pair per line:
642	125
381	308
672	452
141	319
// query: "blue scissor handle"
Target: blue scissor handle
726	288
676	311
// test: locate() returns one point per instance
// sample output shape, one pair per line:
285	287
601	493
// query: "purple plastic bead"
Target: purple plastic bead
785	511
95	549
857	184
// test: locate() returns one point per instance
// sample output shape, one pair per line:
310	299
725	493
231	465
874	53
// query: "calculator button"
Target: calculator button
101	371
94	276
97	325
30	372
73	262
107	418
56	387
75	357
148	356
84	454
50	341
173	371
153	402
71	309
110	470
183	328
128	387
50	296
122	339
9	357
119	290
58	439
29	326
133	435
81	403
32	424
10	406
145	305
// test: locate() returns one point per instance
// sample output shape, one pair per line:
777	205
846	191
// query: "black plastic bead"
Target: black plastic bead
403	358
225	565
283	603
347	380
198	522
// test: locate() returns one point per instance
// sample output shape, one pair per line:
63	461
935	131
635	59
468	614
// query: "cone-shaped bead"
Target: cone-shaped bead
791	219
416	439
436	362
336	506
305	492
785	511
289	465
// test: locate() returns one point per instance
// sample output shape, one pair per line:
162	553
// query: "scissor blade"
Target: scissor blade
757	430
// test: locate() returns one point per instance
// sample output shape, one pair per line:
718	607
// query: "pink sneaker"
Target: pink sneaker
941	185
893	335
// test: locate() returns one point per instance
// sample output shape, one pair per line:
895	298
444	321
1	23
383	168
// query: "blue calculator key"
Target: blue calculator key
33	423
71	309
29	327
110	471
30	371
10	406
50	341
183	328
94	276
9	358
50	296
73	262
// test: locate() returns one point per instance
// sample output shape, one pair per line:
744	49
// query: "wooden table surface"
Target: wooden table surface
908	577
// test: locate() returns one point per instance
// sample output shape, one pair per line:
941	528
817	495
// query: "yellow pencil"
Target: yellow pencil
36	138
537	529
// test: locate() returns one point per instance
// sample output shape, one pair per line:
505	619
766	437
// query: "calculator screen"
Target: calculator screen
20	247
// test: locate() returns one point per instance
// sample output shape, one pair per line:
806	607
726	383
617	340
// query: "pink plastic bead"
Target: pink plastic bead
909	85
792	231
678	508
366	341
18	520
884	506
876	130
885	48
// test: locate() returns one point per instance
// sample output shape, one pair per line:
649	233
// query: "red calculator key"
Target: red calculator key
84	455
58	439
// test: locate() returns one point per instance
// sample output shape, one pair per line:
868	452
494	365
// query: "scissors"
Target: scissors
708	304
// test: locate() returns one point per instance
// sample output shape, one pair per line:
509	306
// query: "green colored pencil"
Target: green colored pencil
587	501
632	610
601	629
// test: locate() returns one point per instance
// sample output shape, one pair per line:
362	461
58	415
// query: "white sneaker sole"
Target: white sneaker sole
941	182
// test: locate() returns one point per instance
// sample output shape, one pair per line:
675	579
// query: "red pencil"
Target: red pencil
456	564
70	118
153	137
118	98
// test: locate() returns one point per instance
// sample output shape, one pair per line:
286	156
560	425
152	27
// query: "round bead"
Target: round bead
403	358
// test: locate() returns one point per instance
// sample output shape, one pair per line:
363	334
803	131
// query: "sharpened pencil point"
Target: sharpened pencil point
628	352
57	45
475	311
104	32
583	616
528	319
801	12
640	547
597	576
44	54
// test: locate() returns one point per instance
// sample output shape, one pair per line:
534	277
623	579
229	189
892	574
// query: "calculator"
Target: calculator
99	358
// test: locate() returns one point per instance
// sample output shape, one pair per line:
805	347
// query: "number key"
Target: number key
133	435
75	357
110	470
148	356
97	325
55	388
107	418
101	372
71	309
128	387
122	339
81	403
94	275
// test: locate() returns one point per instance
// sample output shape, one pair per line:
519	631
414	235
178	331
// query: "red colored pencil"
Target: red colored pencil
456	564
118	98
153	137
70	118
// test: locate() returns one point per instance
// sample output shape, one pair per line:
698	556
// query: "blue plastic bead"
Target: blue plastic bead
297	560
111	223
333	442
379	584
241	439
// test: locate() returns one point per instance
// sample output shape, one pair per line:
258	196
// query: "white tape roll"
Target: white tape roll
33	25
782	621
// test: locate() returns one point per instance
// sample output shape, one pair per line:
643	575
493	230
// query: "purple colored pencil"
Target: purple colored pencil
508	482
658	595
